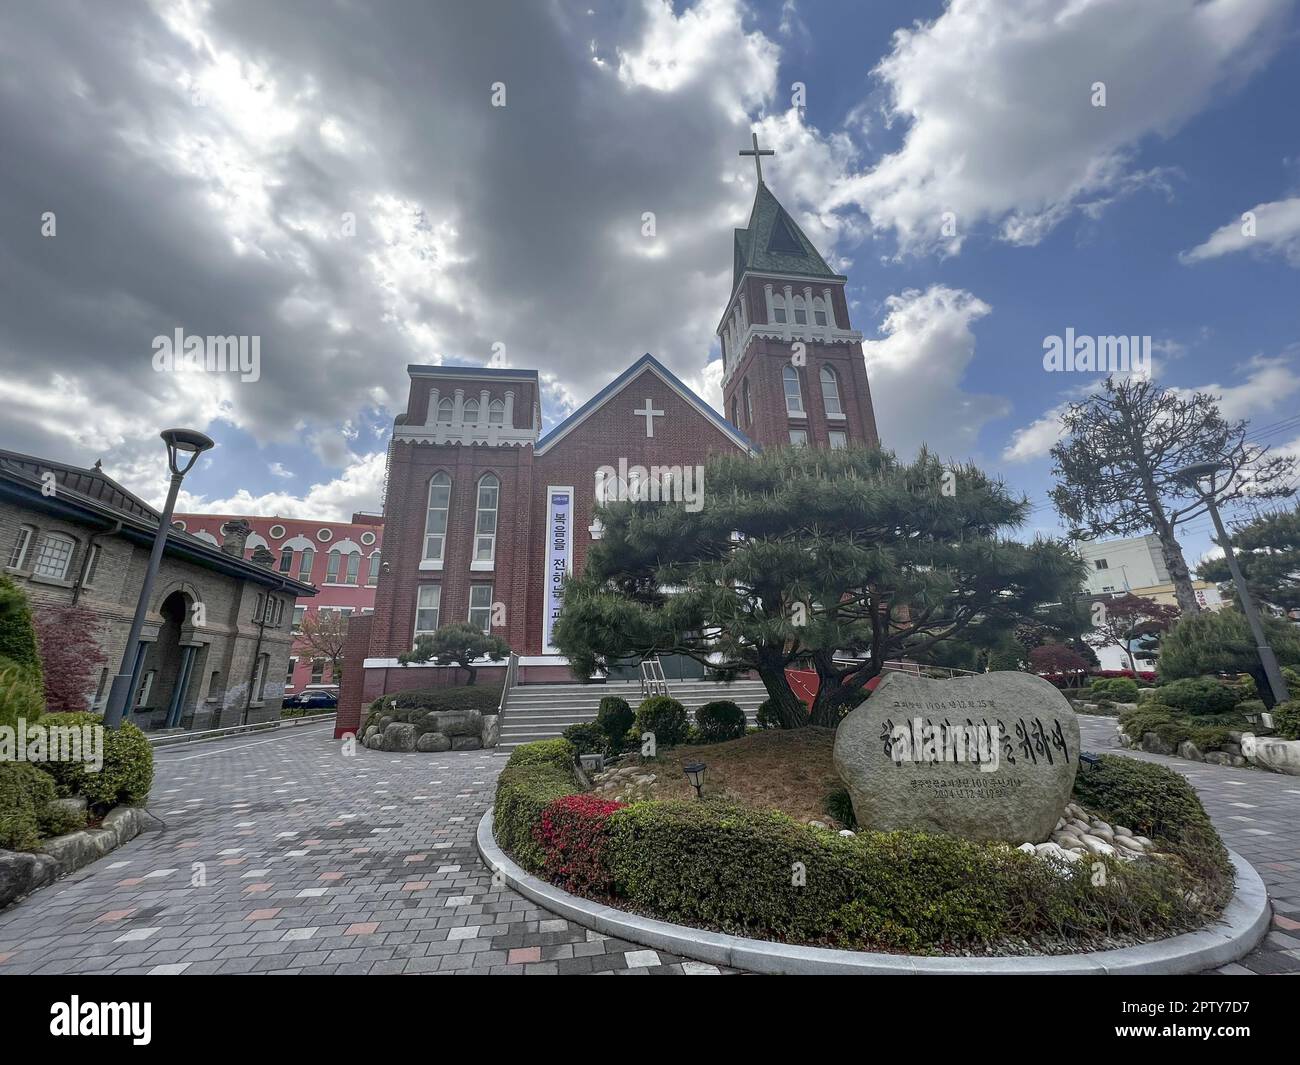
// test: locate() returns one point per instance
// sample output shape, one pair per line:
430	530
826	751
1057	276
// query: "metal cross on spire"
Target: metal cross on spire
756	152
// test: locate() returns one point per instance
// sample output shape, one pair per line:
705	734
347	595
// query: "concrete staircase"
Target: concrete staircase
544	711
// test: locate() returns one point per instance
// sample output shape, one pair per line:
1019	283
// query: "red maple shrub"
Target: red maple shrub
70	656
572	834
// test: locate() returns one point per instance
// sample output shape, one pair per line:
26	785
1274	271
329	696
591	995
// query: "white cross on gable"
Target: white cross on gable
649	413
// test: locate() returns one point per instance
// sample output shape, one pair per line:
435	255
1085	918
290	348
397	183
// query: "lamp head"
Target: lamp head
184	442
1198	471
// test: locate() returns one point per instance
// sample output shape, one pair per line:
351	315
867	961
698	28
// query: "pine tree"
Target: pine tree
1268	551
796	555
459	644
1220	642
1123	449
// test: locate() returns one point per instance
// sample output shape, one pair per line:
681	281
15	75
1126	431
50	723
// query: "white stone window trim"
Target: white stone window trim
22	548
368	538
274	534
324	535
483	567
431	565
49	540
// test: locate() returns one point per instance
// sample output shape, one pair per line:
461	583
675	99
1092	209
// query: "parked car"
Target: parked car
311	700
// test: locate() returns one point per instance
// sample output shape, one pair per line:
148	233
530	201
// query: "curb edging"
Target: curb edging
1244	923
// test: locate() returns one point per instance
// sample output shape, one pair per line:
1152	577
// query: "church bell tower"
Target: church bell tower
793	368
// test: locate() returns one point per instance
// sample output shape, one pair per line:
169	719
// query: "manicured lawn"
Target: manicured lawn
788	770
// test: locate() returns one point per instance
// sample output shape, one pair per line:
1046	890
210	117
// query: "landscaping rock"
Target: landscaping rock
22	873
491	734
907	767
433	743
371	730
466	743
1153	744
1187	749
76	849
453	722
400	736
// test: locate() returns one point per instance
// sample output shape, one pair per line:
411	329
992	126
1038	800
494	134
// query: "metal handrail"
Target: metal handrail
653	680
174	739
512	678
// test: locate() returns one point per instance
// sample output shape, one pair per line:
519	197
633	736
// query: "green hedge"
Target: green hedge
1158	803
127	774
586	738
1115	689
17	634
536	774
1286	717
21	694
615	719
1207	731
27	813
1198	695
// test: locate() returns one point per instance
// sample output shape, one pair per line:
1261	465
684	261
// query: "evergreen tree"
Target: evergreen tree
1220	642
1268	551
458	644
796	555
1122	450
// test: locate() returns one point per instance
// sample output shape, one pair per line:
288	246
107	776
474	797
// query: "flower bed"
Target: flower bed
757	872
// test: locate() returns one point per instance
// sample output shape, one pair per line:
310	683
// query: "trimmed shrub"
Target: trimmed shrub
1198	695
59	820
559	753
767	715
665	717
719	721
21	697
25	795
127	774
615	719
1286	719
585	737
1158	803
536	775
485	698
1115	689
17	634
1207	731
572	835
1250	706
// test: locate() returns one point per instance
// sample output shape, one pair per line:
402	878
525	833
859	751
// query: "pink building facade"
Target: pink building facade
341	559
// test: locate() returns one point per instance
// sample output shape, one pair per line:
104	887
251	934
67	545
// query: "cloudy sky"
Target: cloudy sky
334	178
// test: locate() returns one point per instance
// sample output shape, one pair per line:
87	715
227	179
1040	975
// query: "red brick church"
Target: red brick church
483	513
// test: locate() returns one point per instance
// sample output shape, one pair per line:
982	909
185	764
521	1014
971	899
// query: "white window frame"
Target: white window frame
842	437
798	437
492	483
830	383
422	607
372	573
487	627
787	375
18	555
49	539
353	573
333	563
439	480
90	566
293	667
146	689
296	624
778	310
469	413
496	412
286	560
447	405
306	560
800	311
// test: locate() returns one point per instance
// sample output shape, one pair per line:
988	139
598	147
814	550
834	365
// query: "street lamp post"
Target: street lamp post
1193	475
180	442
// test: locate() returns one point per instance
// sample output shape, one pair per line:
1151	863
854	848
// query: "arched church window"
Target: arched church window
778	308
800	311
485	521
831	391
471	412
435	522
793	393
749	404
446	408
496	413
735	411
286	560
819	310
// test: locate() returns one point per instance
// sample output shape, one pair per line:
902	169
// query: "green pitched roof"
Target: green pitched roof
773	243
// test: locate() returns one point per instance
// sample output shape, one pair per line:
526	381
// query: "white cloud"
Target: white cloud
277	469
1037	438
1274	228
917	369
997	99
359	487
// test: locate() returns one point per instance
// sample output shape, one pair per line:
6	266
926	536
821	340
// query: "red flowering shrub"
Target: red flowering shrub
572	835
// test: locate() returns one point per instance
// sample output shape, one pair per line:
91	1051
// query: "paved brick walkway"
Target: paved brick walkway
281	855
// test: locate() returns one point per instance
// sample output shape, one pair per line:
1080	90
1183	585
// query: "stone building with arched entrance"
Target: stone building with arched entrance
216	641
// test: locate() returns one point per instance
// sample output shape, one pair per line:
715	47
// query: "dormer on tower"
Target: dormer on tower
793	368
